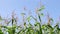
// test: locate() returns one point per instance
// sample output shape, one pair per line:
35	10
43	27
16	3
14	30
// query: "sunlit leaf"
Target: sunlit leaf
29	18
42	7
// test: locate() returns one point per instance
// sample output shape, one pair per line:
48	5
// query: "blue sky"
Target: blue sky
52	7
7	6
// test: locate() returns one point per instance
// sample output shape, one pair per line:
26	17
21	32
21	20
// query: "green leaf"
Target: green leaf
42	14
51	19
25	24
29	18
22	14
1	31
34	18
41	8
1	18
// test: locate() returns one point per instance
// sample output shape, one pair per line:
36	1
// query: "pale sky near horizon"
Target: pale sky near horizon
51	6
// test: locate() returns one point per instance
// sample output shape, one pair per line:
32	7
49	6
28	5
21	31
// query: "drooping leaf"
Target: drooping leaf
34	18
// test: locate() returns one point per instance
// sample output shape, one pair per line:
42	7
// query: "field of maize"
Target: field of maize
37	28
